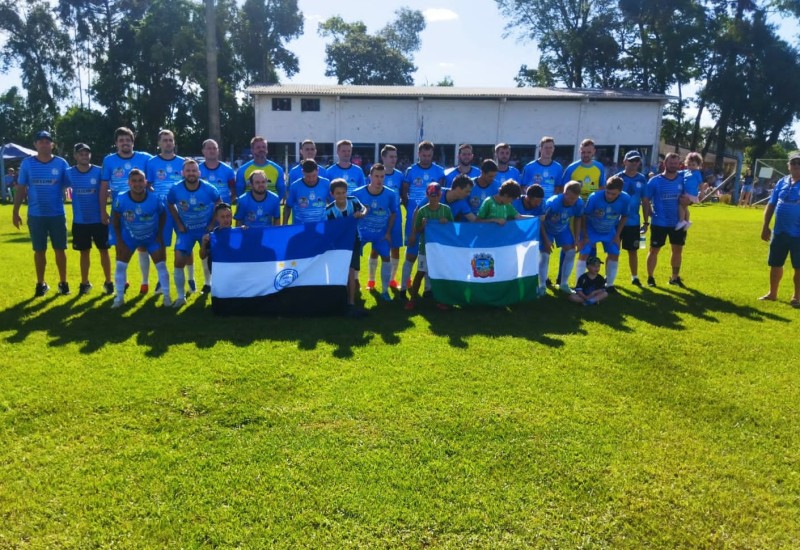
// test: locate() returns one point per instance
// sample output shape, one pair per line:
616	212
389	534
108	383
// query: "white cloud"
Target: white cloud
433	15
445	65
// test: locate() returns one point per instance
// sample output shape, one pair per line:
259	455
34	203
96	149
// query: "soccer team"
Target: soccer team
153	197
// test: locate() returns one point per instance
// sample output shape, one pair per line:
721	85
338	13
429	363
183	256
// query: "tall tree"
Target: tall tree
15	120
212	86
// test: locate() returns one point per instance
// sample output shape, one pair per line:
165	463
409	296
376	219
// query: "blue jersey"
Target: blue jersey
519	206
354	176
163	174
195	208
591	176
117	168
139	221
786	199
510	174
394	181
459	208
220	177
85	192
602	217
417	179
254	213
452	173
692	179
45	182
663	194
480	194
308	203
296	173
636	188
547	175
557	215
380	207
273	172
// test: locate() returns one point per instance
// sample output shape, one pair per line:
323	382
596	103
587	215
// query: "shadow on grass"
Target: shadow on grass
90	323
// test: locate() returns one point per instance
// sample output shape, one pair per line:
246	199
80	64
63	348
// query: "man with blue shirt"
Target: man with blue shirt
221	176
463	166
376	227
456	199
344	169
258	207
663	196
635	185
557	231
393	180
308	198
604	218
544	171
502	156
191	204
308	150
274	172
84	179
42	180
531	203
485	185
784	238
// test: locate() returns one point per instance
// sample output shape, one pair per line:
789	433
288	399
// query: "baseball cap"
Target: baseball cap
795	156
81	147
594	260
43	134
433	190
633	155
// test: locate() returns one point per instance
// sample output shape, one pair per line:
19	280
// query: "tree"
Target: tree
386	58
15	123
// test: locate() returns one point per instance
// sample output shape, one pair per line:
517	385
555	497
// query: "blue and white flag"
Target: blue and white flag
287	270
483	263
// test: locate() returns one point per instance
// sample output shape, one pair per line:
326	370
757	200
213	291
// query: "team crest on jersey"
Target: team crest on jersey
483	265
129	216
259	212
302	202
54	171
118	173
161	174
128	166
285	278
93	181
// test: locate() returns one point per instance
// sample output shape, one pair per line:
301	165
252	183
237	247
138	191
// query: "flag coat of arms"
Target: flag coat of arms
483	263
284	270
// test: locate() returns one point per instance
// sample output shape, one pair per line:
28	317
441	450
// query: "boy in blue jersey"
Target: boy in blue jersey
349	172
342	206
42	180
635	185
603	220
394	181
138	218
664	194
307	199
544	170
692	180
191	204
223	219
464	166
485	186
531	203
258	207
376	227
274	172
557	230
84	179
505	172
308	151
417	178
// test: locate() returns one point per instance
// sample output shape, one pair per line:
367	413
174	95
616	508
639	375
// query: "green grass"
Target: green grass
663	418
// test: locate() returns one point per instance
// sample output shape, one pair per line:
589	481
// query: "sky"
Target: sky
462	40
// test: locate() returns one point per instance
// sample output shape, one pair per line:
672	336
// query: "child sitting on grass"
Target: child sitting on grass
591	285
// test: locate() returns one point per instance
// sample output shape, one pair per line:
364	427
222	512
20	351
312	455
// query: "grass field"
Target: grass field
662	418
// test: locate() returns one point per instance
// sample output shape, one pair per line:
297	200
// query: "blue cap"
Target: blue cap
633	155
44	134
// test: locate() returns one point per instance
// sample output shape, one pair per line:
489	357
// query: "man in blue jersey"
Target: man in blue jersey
138	218
308	199
274	172
221	176
308	150
116	167
604	218
485	185
557	230
663	196
415	184
456	198
502	156
393	179
463	166
349	172
191	204
531	203
42	179
258	207
84	179
376	227
545	171
784	238
635	185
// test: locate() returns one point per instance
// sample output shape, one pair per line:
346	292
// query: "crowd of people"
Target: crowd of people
157	198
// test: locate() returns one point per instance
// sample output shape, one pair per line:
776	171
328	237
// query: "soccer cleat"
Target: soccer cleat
84	288
206	289
541	291
63	288
108	288
677	282
179	303
392	284
116	304
41	289
636	282
549	284
612	290
158	286
145	288
651	281
566	289
370	285
192	286
386	297
410	305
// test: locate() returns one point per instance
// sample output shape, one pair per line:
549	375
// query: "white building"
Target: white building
371	116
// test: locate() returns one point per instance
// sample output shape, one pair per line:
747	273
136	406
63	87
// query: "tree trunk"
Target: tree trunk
212	92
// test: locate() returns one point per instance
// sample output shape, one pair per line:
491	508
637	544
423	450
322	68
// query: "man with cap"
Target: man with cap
42	179
635	185
87	225
784	238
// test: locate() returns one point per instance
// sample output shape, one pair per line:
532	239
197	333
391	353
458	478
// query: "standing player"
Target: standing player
42	179
464	165
394	181
308	151
545	171
485	185
116	168
221	176
635	185
84	179
586	171
274	172
342	207
191	204
502	156
559	210
307	200
349	172
138	218
258	207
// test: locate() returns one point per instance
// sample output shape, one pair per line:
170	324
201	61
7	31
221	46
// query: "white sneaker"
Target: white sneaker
179	303
116	304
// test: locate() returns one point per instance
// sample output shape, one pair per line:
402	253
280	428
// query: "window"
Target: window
309	105
281	103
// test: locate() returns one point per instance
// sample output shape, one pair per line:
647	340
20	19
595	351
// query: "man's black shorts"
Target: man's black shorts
84	233
659	234
630	237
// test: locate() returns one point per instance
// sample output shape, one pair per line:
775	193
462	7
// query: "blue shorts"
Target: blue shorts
151	246
185	241
42	227
780	247
169	229
607	241
379	244
565	238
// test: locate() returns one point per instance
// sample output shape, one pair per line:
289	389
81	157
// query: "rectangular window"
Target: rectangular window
281	103
309	105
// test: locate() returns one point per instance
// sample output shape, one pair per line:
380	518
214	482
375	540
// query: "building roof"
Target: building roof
452	92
